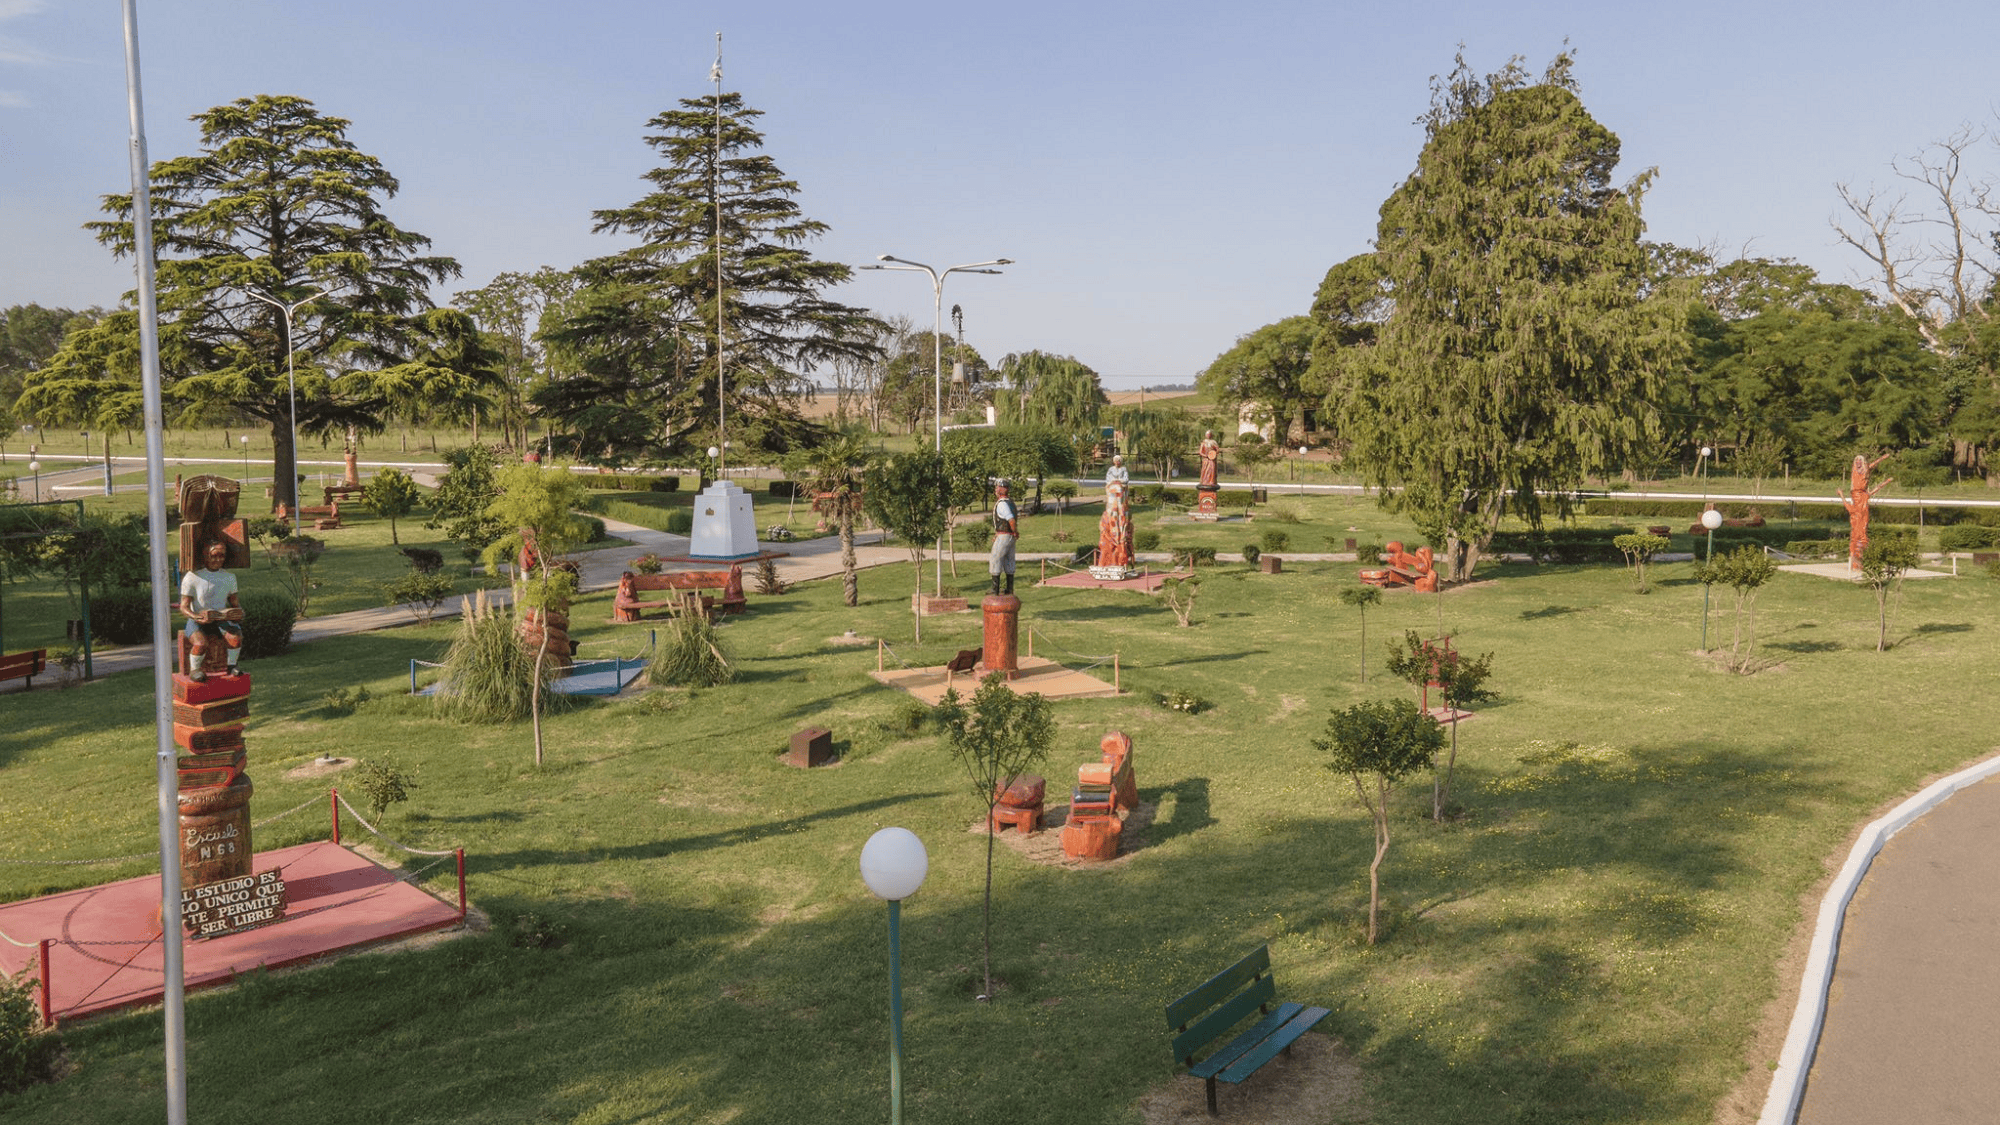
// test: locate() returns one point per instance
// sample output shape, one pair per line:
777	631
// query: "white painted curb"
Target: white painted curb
1788	1083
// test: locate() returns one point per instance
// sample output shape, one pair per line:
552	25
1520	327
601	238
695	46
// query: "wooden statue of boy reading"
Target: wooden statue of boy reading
208	599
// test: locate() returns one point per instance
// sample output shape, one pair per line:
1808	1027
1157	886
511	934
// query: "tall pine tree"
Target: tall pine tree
644	334
277	206
1521	352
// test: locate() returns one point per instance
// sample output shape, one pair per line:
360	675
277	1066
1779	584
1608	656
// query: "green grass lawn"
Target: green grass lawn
1593	942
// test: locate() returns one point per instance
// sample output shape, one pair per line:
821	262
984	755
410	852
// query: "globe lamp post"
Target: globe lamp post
244	440
1710	519
35	467
893	864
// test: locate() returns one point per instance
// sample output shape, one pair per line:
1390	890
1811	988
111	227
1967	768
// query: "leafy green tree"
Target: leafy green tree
539	503
1883	563
1639	549
1160	441
1460	680
30	336
1361	597
277	206
1267	370
1744	571
834	472
393	495
909	387
1348	309
1000	736
512	310
1377	744
452	375
1055	391
468	487
909	494
643	331
1521	353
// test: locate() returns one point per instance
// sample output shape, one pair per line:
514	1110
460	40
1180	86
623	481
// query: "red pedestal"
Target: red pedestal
1205	503
1003	616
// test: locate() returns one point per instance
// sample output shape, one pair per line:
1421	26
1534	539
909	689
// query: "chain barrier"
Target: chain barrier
1095	660
378	833
17	944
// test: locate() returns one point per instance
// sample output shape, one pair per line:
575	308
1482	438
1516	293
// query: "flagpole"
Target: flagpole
173	998
715	200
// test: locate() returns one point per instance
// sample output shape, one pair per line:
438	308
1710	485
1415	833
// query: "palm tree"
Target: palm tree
833	471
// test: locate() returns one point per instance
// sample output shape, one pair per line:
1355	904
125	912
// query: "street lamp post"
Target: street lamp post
291	392
35	467
937	348
1710	519
244	439
893	864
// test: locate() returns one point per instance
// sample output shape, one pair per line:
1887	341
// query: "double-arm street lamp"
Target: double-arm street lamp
937	346
291	389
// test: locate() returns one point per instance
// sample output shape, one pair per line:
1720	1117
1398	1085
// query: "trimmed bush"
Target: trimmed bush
1816	548
595	528
424	560
975	535
664	484
1967	537
1147	539
122	616
1275	540
1251	554
1192	557
1234	498
267	624
784	489
680	522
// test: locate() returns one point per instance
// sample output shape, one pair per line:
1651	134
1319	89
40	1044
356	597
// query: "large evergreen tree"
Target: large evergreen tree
277	206
1521	352
644	335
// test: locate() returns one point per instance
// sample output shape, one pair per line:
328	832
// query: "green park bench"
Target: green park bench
1205	1015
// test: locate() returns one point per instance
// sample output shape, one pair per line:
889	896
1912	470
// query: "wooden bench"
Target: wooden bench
1205	1015
24	665
629	605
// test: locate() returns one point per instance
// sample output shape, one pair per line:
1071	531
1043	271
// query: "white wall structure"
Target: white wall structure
725	527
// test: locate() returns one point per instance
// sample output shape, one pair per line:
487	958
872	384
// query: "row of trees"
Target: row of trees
1512	334
276	253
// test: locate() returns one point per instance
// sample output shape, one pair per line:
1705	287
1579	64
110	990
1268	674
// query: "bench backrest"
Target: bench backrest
681	580
30	663
1220	1003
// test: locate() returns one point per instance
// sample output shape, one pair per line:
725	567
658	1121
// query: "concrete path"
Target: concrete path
1912	1028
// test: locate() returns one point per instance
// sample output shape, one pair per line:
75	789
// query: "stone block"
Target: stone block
810	747
1271	564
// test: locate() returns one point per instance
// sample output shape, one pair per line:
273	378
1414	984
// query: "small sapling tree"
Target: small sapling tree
995	739
1639	549
538	503
1744	570
1376	744
392	495
908	494
1361	597
1883	562
1179	594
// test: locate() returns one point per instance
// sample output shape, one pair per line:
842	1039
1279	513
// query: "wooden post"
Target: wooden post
46	990
333	798
878	654
1114	673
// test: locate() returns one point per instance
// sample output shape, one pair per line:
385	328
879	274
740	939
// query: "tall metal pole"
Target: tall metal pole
715	201
895	1012
173	1000
291	393
937	353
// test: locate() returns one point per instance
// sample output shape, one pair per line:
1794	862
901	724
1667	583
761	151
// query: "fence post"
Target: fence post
878	654
333	799
460	853
48	1007
1114	673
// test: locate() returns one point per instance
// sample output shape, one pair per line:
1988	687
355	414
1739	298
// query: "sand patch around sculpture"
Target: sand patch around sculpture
1317	1083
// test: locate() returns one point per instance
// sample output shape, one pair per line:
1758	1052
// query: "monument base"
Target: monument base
1000	651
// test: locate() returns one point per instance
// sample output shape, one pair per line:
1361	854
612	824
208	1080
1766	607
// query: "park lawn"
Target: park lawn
1592	942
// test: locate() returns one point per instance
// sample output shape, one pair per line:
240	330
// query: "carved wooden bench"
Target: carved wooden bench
1207	1014
24	665
629	606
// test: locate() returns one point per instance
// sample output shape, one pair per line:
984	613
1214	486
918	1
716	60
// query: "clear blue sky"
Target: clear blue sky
1168	176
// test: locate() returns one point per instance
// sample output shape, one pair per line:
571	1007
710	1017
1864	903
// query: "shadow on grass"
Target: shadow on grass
1935	627
1549	611
1191	812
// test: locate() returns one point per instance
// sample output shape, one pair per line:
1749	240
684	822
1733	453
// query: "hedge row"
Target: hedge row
635	482
1781	509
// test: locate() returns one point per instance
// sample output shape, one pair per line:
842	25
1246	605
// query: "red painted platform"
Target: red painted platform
107	952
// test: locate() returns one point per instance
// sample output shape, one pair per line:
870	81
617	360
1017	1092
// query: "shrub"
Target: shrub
381	784
1251	554
1275	540
27	1052
976	535
1282	513
778	533
267	624
680	521
533	931
1192	557
784	489
768	581
649	563
1967	537
122	616
1184	701
1235	498
1147	539
907	717
1816	548
424	559
594	531
487	676
422	591
664	484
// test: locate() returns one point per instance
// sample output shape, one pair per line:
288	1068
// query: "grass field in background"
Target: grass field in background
1593	942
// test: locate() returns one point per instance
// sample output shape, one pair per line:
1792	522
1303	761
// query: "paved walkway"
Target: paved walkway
1912	1028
